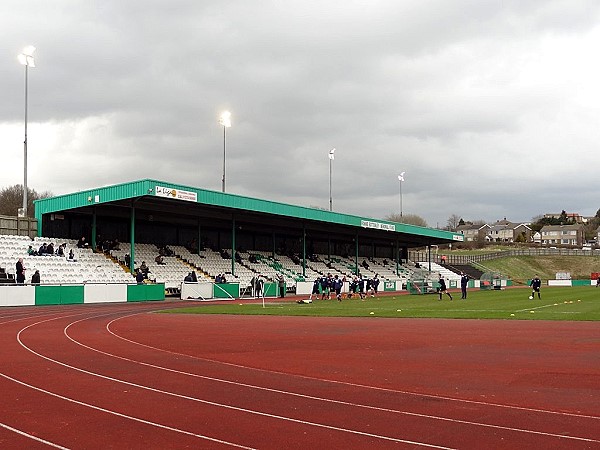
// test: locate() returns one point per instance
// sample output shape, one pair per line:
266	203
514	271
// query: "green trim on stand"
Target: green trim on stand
226	291
145	292
59	295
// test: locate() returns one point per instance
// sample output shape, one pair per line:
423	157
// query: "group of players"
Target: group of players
329	285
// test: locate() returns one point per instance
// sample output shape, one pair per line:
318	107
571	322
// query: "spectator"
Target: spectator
31	251
188	278
61	250
139	277
81	243
35	278
42	249
160	260
127	259
71	257
50	249
20	270
144	269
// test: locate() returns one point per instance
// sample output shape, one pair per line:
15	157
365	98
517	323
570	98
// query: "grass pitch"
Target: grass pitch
557	303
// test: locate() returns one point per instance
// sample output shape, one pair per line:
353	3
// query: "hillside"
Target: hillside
522	268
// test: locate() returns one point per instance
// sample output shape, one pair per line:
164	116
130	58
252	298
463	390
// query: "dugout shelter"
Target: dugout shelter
164	213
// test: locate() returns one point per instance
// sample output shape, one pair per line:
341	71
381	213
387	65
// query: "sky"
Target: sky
490	107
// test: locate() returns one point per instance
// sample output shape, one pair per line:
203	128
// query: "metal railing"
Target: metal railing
452	259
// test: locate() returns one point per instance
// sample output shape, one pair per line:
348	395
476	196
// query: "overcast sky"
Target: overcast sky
491	107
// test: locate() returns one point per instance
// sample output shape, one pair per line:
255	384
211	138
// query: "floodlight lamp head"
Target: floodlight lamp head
225	119
331	154
26	57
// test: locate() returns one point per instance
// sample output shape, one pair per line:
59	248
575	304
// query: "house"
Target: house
473	233
506	231
562	235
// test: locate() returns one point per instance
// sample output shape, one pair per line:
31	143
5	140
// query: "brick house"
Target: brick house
562	235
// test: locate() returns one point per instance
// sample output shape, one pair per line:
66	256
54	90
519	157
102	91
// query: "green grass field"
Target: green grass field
557	303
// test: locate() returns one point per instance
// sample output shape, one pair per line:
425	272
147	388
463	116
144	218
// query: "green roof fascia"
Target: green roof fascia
90	197
221	199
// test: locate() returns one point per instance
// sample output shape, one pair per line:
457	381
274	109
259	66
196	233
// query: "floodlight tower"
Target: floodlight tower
26	58
331	158
401	180
224	120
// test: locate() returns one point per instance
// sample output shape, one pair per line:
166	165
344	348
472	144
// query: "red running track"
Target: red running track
120	376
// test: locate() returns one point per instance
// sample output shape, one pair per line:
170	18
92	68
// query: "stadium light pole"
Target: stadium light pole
331	158
26	59
224	120
400	181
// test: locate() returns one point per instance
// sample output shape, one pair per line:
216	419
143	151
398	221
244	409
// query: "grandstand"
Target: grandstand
99	267
211	233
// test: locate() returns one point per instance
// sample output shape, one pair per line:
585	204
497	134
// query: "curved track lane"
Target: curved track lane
118	376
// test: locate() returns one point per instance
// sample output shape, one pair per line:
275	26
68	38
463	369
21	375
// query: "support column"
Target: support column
429	256
356	254
132	240
94	230
232	246
304	251
199	236
397	253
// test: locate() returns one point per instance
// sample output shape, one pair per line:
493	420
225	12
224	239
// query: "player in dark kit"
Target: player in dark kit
315	288
464	281
535	284
443	289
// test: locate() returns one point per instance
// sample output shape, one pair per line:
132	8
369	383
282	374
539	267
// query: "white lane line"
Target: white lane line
30	436
136	419
221	405
125	416
321	399
346	383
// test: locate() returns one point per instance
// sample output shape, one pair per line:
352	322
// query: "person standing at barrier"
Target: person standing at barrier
536	285
464	280
35	278
281	282
443	289
139	277
259	286
20	271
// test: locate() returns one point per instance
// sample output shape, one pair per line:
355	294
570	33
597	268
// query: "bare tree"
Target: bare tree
11	199
453	222
410	219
